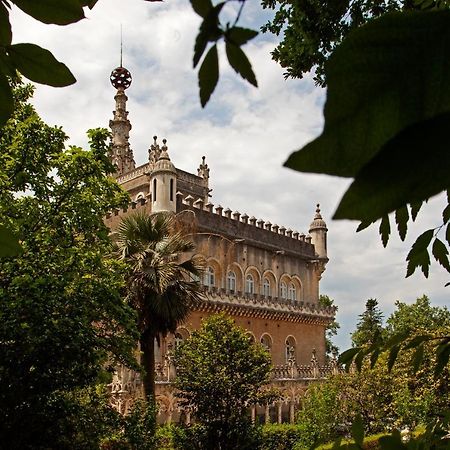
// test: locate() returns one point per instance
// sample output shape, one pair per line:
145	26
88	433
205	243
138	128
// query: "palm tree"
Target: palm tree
162	281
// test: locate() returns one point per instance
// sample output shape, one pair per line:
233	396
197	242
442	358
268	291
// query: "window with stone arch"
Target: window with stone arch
267	291
231	281
289	349
154	191
139	196
179	336
292	292
251	337
266	342
209	278
178	339
283	290
249	284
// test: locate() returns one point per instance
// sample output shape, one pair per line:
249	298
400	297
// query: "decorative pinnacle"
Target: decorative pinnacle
318	215
120	78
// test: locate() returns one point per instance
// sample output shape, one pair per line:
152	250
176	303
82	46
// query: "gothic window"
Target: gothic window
251	337
171	189
283	290
266	342
231	281
290	349
209	277
178	339
249	284
292	294
154	191
157	350
266	288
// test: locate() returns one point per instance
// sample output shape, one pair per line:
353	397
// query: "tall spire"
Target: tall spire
121	154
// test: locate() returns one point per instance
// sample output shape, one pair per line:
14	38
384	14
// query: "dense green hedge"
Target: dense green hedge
278	436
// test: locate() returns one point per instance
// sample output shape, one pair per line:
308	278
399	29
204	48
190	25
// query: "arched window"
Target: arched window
157	349
249	284
266	288
283	290
178	339
231	281
171	189
292	294
250	337
266	342
154	191
290	349
209	277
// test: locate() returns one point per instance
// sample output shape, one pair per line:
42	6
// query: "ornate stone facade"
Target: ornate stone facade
264	276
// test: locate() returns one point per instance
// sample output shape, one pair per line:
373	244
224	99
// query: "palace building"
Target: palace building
264	276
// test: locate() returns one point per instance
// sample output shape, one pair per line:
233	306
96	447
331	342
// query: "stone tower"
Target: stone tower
163	183
120	153
318	231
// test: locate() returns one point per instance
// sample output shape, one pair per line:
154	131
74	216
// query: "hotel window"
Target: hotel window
209	277
290	349
231	281
266	342
292	294
266	288
249	285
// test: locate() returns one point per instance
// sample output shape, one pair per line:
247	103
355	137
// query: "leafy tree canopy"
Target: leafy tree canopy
370	324
312	29
220	373
419	315
62	314
332	328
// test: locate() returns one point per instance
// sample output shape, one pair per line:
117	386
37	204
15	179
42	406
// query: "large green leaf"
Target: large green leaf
208	75
6	100
209	31
89	3
39	65
388	75
9	244
5	26
60	12
201	7
411	167
240	63
240	36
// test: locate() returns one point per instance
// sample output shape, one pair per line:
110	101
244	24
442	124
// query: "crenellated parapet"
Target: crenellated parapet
248	229
233	224
259	306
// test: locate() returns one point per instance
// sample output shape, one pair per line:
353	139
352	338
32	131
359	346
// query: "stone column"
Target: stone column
267	414
291	412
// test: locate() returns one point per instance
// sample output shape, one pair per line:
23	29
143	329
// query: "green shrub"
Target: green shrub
278	436
176	437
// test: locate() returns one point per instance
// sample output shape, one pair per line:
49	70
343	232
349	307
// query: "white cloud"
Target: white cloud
245	133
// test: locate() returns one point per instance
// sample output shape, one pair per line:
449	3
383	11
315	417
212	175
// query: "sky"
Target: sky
246	134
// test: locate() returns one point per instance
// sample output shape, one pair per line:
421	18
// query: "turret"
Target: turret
163	183
318	231
120	152
203	172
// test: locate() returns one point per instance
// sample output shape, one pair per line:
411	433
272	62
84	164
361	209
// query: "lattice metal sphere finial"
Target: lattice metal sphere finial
120	78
